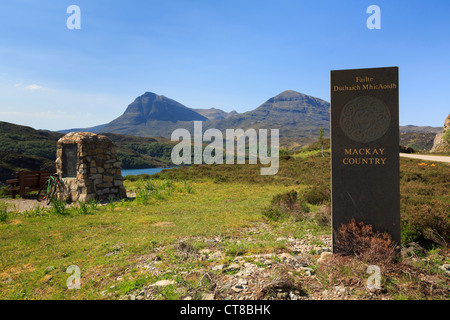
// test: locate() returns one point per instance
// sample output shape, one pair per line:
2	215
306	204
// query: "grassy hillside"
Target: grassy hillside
25	148
225	232
10	163
425	188
417	140
28	141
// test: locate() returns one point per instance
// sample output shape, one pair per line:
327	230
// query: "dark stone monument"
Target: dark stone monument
69	157
365	149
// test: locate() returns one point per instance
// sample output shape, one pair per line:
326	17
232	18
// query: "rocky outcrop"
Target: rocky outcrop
441	141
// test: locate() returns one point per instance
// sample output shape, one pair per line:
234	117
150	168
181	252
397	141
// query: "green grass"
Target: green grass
175	215
3	212
105	242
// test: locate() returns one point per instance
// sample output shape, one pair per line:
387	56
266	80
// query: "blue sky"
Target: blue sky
211	53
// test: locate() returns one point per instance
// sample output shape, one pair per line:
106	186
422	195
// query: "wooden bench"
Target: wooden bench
27	181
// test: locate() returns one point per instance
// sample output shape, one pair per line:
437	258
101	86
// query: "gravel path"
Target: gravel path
21	205
426	157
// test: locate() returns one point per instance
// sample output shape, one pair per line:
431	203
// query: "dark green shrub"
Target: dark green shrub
318	194
323	216
130	177
447	136
83	208
286	205
274	214
4	192
3	212
427	224
58	207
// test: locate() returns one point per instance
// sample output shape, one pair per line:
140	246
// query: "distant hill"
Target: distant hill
90	129
418	137
296	115
28	141
11	162
152	115
215	114
417	140
25	148
423	129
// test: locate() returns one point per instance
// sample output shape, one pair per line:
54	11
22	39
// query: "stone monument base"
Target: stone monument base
89	168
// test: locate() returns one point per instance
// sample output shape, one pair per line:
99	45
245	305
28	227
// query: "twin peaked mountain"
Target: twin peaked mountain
296	115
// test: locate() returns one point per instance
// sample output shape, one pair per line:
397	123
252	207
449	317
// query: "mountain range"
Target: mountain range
298	116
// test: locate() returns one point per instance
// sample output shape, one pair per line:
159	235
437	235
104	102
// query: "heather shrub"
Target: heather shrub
341	270
318	194
425	203
286	205
360	240
427	223
323	216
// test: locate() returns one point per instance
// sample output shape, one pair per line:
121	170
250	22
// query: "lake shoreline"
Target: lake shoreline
135	172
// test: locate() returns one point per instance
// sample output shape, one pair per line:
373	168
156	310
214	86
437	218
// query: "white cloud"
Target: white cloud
33	87
18	84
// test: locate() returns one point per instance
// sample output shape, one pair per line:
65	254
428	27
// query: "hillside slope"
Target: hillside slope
152	115
25	148
296	115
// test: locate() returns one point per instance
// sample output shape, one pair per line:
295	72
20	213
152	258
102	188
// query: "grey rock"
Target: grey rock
162	283
446	268
237	288
234	266
339	290
320	250
49	269
323	257
208	296
411	249
282	295
308	271
242	282
219	267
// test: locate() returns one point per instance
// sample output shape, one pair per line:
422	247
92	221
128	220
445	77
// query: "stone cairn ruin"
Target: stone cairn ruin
89	168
